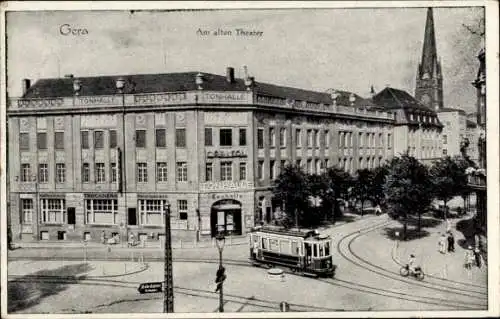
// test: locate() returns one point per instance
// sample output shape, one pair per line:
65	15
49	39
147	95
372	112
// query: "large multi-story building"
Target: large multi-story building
109	153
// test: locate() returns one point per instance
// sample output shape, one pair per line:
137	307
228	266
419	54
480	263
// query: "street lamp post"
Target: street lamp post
220	241
168	289
121	153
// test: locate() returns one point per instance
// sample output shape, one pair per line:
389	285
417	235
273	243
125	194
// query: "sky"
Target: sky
314	49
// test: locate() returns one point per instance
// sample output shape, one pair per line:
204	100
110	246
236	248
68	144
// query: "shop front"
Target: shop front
228	212
225	217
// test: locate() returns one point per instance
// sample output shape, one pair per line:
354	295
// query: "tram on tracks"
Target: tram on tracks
307	253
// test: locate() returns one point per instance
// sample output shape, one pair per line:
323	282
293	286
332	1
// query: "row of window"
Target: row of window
100	172
43	173
318	166
226	171
225	138
100	211
368	139
313	138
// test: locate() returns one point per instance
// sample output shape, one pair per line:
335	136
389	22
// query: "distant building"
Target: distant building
417	129
457	130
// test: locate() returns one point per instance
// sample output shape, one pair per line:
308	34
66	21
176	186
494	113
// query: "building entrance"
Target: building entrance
225	217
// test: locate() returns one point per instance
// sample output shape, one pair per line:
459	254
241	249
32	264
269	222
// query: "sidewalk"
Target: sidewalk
449	265
230	241
176	244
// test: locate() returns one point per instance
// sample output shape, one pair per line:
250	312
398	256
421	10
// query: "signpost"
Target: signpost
150	287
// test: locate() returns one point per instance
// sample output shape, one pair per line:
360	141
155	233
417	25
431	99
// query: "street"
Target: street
367	278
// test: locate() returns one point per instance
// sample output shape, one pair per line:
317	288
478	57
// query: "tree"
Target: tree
319	198
292	188
408	189
363	184
377	194
337	183
449	179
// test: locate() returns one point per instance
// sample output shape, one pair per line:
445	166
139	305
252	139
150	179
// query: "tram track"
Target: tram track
196	292
367	265
459	291
397	262
96	280
354	259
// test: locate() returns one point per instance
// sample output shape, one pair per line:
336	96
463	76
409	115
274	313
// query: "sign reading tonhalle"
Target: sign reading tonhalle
150	287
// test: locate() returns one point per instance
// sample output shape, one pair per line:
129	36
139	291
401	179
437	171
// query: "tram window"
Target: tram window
256	241
274	245
315	250
285	247
321	251
264	243
327	248
295	248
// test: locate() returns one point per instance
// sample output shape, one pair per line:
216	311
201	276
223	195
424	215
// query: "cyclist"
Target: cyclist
411	264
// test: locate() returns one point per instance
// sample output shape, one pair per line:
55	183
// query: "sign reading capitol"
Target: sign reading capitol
226	153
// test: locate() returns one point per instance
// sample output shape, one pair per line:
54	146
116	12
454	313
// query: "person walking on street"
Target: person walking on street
477	257
442	244
451	242
469	258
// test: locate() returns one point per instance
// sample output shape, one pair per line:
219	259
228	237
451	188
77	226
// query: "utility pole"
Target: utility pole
168	289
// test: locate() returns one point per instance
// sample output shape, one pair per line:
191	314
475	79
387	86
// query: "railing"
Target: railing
476	180
130	101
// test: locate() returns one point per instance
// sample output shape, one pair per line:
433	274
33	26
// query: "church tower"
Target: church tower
429	85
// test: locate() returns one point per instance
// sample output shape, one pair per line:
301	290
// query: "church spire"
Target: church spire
429	88
429	65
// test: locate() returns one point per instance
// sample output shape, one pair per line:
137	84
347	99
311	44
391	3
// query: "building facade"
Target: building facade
417	129
458	129
108	155
477	182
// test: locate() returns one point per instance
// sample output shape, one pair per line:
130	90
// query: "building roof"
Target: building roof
391	98
414	112
175	82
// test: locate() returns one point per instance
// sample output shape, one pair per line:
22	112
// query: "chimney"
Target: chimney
26	85
230	75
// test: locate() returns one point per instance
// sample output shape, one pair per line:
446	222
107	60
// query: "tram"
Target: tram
307	253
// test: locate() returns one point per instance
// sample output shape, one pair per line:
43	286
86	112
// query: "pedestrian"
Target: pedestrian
469	258
378	210
477	257
442	244
103	237
451	242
